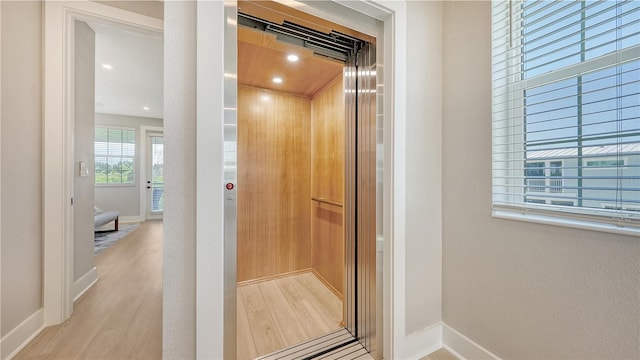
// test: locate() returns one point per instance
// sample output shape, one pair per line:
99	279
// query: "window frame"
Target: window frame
512	151
133	158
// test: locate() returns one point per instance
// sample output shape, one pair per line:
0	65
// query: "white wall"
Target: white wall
179	242
83	197
152	8
423	252
124	198
21	208
521	290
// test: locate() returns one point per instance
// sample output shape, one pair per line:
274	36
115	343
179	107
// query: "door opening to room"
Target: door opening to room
117	125
306	197
155	176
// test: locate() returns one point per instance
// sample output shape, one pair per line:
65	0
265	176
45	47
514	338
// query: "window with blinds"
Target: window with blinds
566	112
115	151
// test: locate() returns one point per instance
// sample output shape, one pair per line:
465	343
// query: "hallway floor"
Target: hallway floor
120	317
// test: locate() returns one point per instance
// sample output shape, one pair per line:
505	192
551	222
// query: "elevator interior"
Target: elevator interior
291	159
290	152
292	136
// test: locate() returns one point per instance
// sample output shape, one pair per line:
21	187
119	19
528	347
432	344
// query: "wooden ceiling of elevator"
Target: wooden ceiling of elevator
261	57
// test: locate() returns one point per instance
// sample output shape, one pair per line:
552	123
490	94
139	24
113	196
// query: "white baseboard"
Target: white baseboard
423	342
130	219
21	335
462	347
84	283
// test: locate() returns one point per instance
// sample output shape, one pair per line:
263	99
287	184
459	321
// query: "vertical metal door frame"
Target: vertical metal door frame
230	178
361	200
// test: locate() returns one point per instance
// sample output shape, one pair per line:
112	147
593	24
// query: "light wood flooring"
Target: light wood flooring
441	354
279	313
120	317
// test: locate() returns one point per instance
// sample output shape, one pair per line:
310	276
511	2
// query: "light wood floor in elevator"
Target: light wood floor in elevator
282	312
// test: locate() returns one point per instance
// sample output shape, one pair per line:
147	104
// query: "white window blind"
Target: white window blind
566	111
115	151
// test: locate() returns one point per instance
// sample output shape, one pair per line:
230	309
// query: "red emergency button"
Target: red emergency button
229	186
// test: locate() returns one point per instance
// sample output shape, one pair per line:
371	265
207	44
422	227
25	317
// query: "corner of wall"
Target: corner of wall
21	335
423	342
462	347
83	284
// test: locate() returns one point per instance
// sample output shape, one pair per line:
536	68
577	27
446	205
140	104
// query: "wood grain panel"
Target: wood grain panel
289	310
328	245
261	58
327	181
273	183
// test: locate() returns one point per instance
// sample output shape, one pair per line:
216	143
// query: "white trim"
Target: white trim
58	135
396	248
394	113
130	219
462	347
211	319
568	220
83	284
22	335
0	174
423	342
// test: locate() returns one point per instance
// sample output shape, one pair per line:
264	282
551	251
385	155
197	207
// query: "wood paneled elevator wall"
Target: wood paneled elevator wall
327	182
290	150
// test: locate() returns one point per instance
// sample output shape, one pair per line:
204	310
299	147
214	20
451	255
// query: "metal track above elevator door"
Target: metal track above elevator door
334	45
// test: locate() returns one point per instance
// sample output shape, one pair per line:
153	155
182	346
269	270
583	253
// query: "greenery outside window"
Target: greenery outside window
115	150
566	112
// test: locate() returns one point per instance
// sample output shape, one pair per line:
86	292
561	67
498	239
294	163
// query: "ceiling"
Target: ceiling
261	58
134	84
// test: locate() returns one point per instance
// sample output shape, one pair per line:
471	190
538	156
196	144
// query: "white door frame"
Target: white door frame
211	279
145	132
59	18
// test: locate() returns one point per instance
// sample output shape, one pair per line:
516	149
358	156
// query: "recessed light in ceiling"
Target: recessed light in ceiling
107	66
277	80
293	58
145	108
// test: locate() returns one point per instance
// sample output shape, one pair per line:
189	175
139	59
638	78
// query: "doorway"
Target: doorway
307	179
58	149
154	188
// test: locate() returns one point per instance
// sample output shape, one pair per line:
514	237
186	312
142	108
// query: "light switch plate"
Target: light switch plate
84	172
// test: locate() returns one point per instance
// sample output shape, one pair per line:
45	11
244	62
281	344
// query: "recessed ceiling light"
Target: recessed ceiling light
277	80
293	58
145	108
107	66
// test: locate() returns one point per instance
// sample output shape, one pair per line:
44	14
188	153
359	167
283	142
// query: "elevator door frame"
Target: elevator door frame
209	327
360	193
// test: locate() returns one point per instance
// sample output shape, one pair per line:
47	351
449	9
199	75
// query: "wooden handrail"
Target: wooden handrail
325	201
